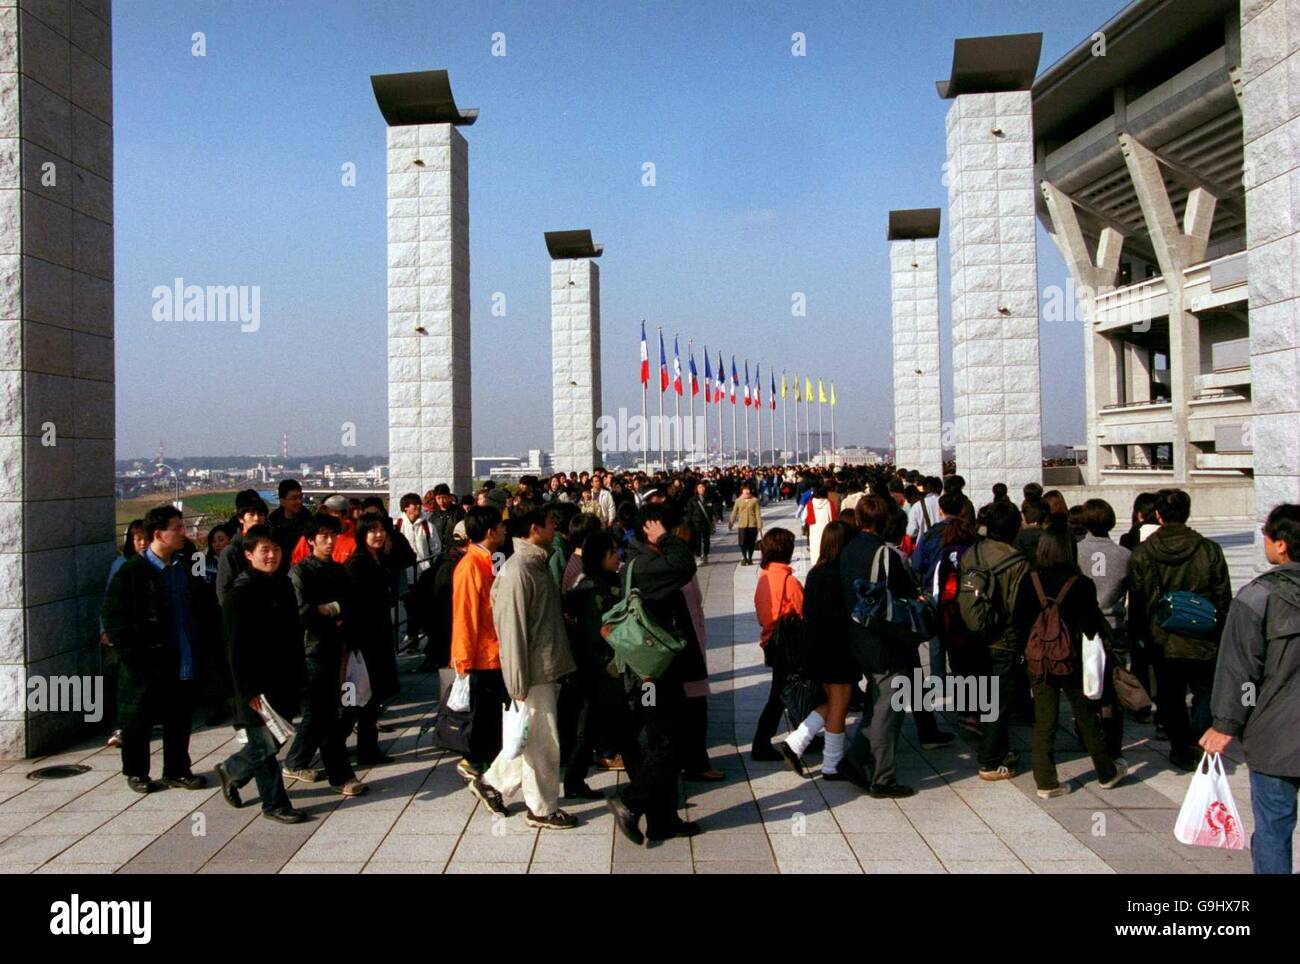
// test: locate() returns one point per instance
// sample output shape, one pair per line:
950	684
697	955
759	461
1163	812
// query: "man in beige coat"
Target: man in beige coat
534	655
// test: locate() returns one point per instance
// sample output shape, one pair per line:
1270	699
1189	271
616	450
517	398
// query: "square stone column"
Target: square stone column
1270	53
575	360
918	394
429	438
57	535
994	261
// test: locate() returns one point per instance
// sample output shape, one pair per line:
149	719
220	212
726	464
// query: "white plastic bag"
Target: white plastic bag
356	681
1209	817
458	697
1094	667
514	730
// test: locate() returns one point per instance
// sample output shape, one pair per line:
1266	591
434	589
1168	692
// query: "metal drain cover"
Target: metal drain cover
58	772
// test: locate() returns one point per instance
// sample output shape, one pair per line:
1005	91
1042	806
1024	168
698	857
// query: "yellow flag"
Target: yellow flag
807	388
832	394
783	385
796	388
821	393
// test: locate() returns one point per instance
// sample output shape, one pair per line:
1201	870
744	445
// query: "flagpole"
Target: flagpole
832	417
807	423
677	417
690	374
645	435
663	459
735	439
758	412
820	406
722	453
771	421
785	410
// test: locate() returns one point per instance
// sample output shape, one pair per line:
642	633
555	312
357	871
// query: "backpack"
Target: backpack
895	619
945	589
785	649
639	643
982	608
1050	648
1186	614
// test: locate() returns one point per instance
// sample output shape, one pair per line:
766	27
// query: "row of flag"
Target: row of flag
718	387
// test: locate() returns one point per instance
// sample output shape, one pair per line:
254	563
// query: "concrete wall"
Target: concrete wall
428	288
1270	62
918	393
575	362
56	353
1228	501
994	263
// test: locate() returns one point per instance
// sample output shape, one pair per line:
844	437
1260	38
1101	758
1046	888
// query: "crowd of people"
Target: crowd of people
296	615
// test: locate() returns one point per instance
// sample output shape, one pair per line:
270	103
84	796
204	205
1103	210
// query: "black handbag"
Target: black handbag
453	729
800	696
894	619
784	651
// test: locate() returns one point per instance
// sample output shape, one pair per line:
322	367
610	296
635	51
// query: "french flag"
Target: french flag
758	386
734	379
748	401
772	400
645	359
719	390
708	377
663	366
677	368
695	379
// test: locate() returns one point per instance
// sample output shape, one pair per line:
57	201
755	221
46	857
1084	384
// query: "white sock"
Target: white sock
833	753
804	733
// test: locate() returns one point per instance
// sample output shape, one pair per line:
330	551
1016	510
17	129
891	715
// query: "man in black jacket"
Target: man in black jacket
287	520
320	588
1257	691
260	624
233	561
445	514
149	617
662	565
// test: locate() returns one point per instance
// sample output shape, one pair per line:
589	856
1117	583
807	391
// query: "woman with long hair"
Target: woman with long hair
777	595
370	630
826	651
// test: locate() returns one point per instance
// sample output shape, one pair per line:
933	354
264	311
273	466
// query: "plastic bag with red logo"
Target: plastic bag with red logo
1209	817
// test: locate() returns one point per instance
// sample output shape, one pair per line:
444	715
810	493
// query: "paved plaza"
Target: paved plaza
419	818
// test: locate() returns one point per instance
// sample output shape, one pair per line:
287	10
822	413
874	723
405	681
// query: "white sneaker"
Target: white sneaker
1060	791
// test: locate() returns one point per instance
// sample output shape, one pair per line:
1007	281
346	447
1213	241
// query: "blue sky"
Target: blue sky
774	174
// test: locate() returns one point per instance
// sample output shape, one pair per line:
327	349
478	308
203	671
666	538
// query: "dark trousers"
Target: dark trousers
1174	677
1047	705
704	544
1006	668
366	720
770	718
875	742
257	761
695	735
652	757
596	719
322	725
146	698
748	539
488	698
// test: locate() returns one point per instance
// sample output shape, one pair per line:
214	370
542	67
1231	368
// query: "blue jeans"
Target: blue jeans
1273	800
257	761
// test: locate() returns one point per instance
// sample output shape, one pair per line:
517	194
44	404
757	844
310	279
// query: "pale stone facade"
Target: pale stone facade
918	395
56	354
428	309
1270	62
575	361
994	263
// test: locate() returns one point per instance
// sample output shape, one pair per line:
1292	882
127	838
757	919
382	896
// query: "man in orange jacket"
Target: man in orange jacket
344	545
475	649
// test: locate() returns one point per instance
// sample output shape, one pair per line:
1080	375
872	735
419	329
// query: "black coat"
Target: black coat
826	628
584	605
286	532
260	625
136	611
873	654
315	583
370	622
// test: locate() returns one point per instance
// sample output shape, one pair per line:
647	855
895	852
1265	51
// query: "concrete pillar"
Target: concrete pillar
575	357
1093	275
1177	247
1270	52
918	394
57	425
994	262
429	437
